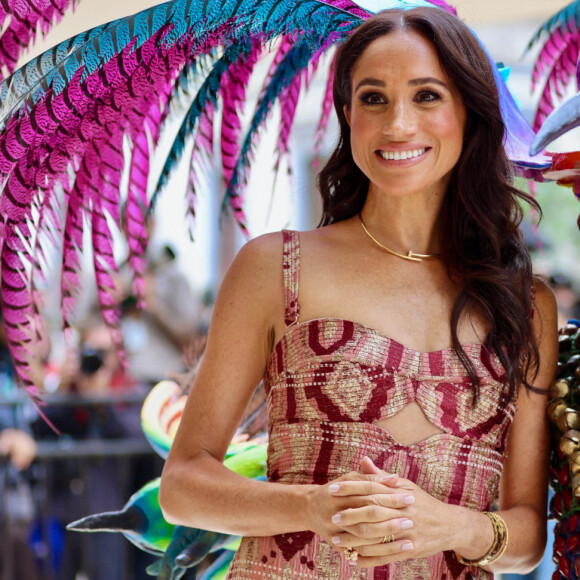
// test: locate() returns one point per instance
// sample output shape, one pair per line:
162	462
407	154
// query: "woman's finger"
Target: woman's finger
364	487
381	554
383	507
380	529
377	533
367	467
355	476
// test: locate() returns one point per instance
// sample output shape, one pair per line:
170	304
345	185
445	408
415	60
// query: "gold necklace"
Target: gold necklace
411	256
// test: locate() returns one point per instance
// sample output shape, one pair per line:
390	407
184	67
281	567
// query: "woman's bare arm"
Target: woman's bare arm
196	489
523	486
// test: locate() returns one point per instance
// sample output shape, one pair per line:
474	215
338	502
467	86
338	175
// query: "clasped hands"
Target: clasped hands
376	518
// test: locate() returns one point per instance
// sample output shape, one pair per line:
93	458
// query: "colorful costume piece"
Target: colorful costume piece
328	380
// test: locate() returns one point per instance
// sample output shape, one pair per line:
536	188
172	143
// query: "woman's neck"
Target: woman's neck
404	223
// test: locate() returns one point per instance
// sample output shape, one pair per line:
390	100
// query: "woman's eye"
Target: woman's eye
372	99
428	96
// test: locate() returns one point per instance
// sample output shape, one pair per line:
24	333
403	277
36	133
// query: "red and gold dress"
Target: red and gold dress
328	381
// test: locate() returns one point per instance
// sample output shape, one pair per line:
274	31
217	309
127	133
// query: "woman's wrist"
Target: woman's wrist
308	501
497	549
474	534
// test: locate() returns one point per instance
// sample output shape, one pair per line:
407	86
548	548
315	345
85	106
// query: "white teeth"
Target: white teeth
398	155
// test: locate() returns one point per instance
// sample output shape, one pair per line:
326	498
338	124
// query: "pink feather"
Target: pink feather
233	93
549	54
327	105
26	17
137	201
557	81
201	154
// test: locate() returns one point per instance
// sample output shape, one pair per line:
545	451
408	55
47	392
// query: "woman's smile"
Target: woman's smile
403	157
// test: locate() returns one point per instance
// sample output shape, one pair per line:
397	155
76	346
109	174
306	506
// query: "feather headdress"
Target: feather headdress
66	117
558	63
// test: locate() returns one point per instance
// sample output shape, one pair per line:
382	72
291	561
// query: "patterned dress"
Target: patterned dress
328	381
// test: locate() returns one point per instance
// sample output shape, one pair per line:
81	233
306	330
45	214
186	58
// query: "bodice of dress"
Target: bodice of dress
328	381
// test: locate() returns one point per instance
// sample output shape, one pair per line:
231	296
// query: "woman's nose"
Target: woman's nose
400	120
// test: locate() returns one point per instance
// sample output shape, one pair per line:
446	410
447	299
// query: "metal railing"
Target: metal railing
72	478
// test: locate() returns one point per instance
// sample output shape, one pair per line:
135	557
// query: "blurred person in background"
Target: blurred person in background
18	449
16	506
157	336
18	446
93	371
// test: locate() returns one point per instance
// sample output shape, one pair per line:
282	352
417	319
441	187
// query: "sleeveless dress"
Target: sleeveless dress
327	381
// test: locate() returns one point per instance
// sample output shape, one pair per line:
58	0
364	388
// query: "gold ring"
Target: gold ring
351	554
388	539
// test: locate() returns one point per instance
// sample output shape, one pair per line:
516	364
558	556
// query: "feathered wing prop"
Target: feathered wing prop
68	115
19	21
557	61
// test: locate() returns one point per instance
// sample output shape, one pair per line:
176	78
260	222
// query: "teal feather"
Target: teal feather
208	91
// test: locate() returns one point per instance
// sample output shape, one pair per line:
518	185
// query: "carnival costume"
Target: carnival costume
66	119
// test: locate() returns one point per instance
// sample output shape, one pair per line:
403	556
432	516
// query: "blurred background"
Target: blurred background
101	456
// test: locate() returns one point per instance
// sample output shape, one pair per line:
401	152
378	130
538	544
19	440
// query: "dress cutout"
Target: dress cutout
327	381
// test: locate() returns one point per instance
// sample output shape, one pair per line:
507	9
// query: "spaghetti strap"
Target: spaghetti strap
291	266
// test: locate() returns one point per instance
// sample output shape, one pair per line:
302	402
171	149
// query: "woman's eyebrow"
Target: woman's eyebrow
373	82
427	80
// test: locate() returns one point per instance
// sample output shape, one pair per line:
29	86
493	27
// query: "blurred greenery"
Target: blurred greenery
555	242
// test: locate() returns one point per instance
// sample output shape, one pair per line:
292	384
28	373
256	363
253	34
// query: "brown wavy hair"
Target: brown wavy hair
482	247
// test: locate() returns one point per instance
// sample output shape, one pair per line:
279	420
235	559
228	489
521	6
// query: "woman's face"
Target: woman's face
406	117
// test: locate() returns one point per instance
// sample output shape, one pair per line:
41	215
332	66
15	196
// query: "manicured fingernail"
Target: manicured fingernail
389	476
409	499
336	518
334	488
406	524
336	539
406	546
352	562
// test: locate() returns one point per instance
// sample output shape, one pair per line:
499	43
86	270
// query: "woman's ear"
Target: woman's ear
346	112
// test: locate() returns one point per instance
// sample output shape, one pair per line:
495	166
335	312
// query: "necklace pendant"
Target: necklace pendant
411	256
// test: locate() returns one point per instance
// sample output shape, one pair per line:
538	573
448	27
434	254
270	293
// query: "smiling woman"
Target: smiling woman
404	370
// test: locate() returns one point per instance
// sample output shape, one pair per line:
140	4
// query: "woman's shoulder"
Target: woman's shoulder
543	297
265	251
545	316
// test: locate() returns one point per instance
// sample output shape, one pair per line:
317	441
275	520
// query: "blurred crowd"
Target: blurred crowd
94	391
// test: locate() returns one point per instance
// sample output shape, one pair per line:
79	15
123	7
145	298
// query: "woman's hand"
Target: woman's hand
368	496
384	529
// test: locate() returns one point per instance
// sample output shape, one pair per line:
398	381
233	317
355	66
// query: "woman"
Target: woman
396	425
